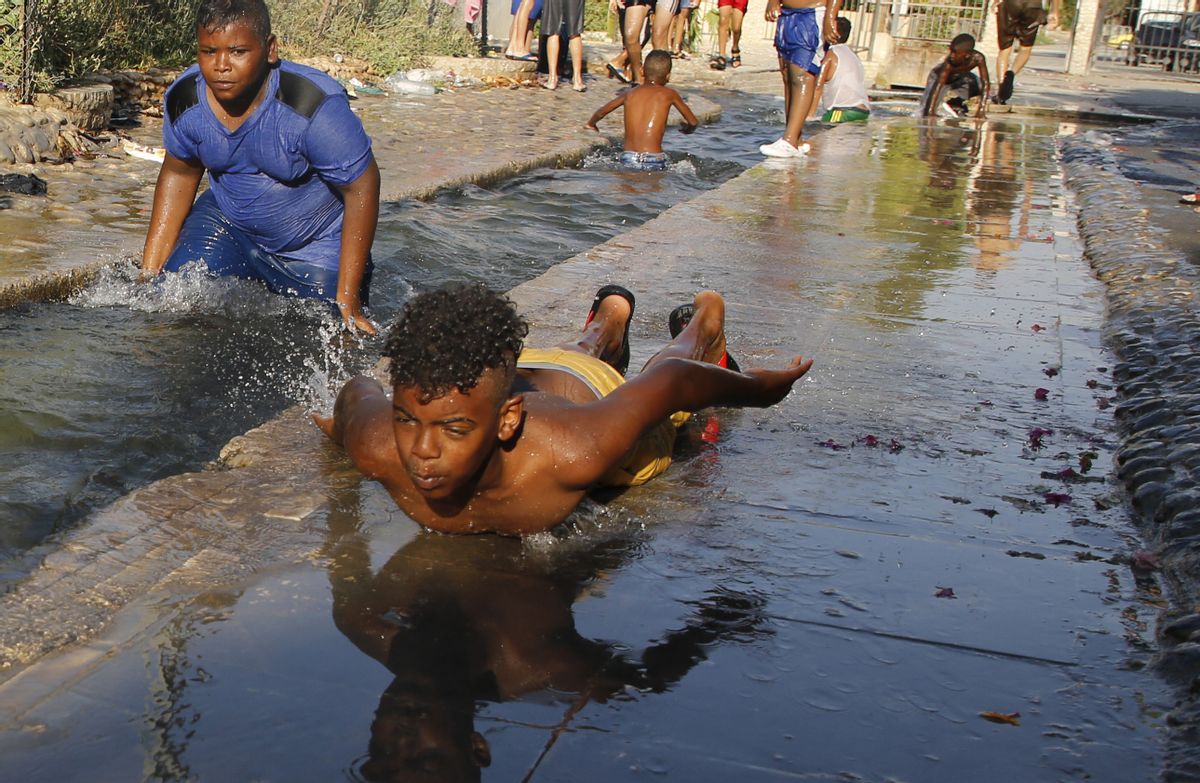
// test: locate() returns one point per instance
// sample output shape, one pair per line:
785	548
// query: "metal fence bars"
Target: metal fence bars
18	43
1163	34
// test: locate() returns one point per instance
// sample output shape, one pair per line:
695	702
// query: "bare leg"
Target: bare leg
735	27
787	93
660	30
635	17
575	46
603	337
1022	58
552	46
703	339
519	38
801	89
723	29
1002	62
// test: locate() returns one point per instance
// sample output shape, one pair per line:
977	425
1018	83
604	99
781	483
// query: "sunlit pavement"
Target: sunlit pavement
917	567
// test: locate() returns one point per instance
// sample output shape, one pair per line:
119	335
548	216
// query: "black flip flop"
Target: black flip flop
679	319
622	364
615	73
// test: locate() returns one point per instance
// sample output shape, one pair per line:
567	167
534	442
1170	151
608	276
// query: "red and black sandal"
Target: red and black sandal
679	319
622	363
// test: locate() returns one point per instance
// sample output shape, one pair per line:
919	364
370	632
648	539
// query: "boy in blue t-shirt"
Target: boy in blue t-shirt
293	195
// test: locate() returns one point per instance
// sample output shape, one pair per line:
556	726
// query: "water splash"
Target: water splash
191	290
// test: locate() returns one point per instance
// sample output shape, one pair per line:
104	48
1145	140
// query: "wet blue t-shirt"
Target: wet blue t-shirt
275	177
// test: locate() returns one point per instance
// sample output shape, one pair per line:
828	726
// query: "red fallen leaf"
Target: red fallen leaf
1056	498
945	592
1085	462
1068	473
1102	403
895	446
1092	383
869	440
1144	560
830	443
1010	718
1050	371
1038	328
1040	394
1035	437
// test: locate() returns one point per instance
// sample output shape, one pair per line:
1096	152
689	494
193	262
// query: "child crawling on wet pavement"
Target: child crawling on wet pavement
953	77
481	436
646	109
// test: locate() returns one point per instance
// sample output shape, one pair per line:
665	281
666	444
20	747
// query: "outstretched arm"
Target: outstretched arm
828	69
985	84
178	181
612	425
934	86
690	123
604	110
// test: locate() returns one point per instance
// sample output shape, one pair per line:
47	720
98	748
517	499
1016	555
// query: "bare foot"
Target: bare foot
607	329
551	83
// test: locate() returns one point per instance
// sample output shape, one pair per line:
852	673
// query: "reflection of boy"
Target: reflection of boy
647	107
293	194
802	28
842	85
953	77
1016	20
479	436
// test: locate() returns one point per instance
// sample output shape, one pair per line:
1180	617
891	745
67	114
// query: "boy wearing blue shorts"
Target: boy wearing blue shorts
293	195
802	28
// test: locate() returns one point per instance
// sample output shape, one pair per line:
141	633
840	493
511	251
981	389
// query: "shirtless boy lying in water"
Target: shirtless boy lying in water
480	436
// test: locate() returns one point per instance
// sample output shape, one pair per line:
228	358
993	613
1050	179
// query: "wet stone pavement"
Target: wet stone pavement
917	567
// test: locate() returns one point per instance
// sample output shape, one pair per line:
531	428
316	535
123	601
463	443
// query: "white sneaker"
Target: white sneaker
781	148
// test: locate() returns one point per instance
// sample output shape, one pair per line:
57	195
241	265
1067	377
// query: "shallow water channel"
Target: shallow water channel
909	570
126	384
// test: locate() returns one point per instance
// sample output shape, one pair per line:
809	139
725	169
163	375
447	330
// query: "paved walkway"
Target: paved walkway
867	569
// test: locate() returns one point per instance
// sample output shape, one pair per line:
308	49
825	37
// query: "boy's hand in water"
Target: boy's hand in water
775	384
591	126
353	317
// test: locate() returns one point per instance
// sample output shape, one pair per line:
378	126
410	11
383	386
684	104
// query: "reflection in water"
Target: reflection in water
991	194
937	178
461	621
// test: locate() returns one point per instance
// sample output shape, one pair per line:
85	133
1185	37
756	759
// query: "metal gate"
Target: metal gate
1152	34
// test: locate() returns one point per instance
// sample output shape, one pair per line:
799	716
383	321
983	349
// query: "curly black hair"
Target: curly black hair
219	14
448	337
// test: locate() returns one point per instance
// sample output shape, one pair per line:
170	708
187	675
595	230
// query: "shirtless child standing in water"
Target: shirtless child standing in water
481	436
646	110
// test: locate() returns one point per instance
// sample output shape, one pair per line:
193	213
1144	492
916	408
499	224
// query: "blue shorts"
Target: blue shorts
208	236
645	161
798	37
536	13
